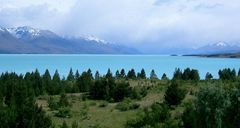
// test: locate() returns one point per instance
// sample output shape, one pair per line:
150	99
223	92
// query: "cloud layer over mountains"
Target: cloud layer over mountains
149	25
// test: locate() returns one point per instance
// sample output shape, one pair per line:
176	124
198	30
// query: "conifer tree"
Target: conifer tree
208	76
109	74
186	74
56	83
117	74
153	75
174	95
239	73
70	76
194	75
77	75
97	75
122	73
131	74
85	81
177	74
164	77
142	74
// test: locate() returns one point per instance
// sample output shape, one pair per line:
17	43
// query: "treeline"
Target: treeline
18	92
214	107
87	82
18	108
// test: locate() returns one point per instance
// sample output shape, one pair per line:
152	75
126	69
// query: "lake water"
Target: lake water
21	63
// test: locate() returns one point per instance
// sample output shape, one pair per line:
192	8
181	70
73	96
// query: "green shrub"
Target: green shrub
75	124
85	106
64	101
211	104
122	106
134	106
64	124
103	104
64	112
127	104
155	116
83	97
174	95
138	92
52	104
92	103
83	114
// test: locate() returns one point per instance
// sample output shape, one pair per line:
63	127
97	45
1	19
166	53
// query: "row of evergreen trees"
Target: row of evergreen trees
18	108
76	82
213	107
228	74
187	74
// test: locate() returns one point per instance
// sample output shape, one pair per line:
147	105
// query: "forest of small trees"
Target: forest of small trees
215	106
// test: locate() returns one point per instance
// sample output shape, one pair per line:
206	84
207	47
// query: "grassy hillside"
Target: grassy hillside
89	113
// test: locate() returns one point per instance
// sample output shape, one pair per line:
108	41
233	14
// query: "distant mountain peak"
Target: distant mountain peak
2	29
30	40
21	32
221	44
95	39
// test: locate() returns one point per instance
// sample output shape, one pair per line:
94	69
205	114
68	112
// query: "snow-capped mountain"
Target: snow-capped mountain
216	48
27	32
31	40
20	32
220	44
94	38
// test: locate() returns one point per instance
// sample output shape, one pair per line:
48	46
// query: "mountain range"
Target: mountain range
213	48
24	40
217	48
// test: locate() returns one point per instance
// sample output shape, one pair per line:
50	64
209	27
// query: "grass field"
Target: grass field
89	114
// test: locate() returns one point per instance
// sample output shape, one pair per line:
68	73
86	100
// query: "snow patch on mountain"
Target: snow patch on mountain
220	44
93	38
20	32
2	29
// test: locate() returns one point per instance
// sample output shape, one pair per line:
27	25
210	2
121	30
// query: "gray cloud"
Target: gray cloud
147	25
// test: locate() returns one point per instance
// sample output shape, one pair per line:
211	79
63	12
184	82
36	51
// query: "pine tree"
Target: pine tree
97	75
143	74
186	74
38	85
194	75
153	75
122	73
109	74
164	77
208	76
70	76
77	75
131	74
46	75
177	74
56	83
56	76
85	81
117	74
174	95
239	73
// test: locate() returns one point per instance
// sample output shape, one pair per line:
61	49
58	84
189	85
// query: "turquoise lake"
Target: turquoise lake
21	63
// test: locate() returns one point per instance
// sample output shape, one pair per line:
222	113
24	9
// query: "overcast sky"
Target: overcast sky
145	24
